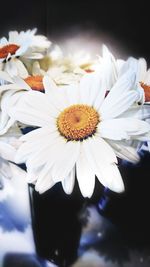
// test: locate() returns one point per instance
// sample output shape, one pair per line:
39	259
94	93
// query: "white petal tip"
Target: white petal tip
117	188
87	194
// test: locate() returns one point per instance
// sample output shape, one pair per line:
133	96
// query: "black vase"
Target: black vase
56	224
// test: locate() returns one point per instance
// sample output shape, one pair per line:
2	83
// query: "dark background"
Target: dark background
119	24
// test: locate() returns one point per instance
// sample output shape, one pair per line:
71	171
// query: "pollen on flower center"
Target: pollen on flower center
146	89
78	122
35	82
8	49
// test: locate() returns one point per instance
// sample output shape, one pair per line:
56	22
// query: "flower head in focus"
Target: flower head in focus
81	133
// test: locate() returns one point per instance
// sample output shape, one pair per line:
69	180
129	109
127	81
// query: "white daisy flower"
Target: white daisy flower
53	57
83	60
71	61
10	92
25	45
16	83
80	132
60	74
139	66
65	69
61	69
71	68
143	85
112	69
143	78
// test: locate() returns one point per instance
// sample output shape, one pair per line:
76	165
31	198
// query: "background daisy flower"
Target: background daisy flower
11	90
143	77
21	47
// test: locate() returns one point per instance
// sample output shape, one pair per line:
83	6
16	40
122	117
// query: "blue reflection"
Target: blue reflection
9	221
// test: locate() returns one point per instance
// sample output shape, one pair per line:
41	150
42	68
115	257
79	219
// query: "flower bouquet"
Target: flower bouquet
69	120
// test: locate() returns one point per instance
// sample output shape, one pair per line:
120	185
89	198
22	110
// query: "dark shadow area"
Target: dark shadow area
115	21
130	211
22	260
56	224
112	243
22	15
106	240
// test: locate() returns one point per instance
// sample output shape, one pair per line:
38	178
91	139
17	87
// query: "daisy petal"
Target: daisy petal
147	77
38	133
33	109
21	70
85	88
140	112
72	94
118	129
117	106
124	151
5	76
7	87
66	159
68	182
90	88
120	98
142	68
13	36
107	173
44	181
54	93
109	71
85	176
11	68
112	178
44	153
34	147
101	149
7	151
21	83
101	92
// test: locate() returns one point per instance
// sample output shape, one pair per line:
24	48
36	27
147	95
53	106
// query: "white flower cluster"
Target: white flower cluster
82	114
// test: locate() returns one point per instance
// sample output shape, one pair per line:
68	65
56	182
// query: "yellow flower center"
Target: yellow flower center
5	50
146	89
35	82
78	122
